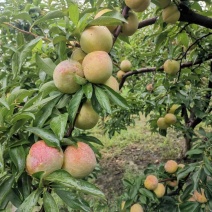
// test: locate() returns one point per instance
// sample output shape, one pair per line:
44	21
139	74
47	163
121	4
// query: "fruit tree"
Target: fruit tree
67	65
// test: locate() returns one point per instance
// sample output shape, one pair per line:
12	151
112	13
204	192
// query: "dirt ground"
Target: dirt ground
131	159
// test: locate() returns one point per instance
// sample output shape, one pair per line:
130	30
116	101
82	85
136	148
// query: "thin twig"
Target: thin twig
152	69
26	32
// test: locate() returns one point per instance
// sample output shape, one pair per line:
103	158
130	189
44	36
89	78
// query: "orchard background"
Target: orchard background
35	36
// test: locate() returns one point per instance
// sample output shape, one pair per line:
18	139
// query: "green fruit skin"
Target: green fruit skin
96	38
170	118
171	67
162	124
63	76
78	55
97	67
171	14
163	3
130	28
87	117
125	65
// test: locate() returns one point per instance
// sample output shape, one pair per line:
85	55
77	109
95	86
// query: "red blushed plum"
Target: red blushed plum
79	160
64	76
43	158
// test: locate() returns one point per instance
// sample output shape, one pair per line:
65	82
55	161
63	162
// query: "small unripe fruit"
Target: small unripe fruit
171	14
137	5
163	3
79	160
200	197
170	118
120	74
96	38
160	190
173	108
78	55
173	183
162	124
151	182
43	158
171	67
149	87
125	65
136	208
97	67
171	166
87	117
64	78
112	83
188	82
130	28
100	13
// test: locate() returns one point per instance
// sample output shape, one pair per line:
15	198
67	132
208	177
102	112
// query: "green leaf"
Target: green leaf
196	178
146	193
74	13
88	90
182	173
183	39
46	135
27	49
109	19
4	103
23	16
15	63
18	157
41	103
79	80
58	125
190	206
43	114
207	164
160	39
30	201
18	95
187	192
47	88
103	99
72	200
87	138
63	178
194	152
48	16
116	98
22	115
49	203
15	127
5	188
46	65
58	39
74	105
64	101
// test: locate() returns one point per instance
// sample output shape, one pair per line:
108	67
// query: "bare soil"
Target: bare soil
131	159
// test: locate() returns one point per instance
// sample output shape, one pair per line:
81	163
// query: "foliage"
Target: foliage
36	35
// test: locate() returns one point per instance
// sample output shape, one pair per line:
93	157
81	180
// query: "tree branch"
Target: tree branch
26	32
188	15
152	69
147	22
118	29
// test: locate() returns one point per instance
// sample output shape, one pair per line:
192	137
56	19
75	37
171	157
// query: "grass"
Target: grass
141	134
